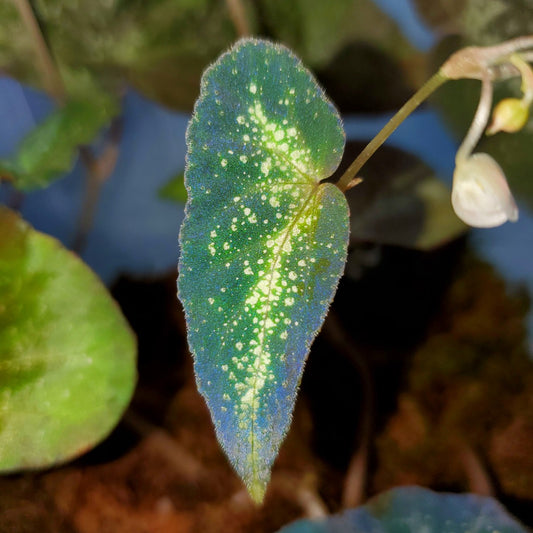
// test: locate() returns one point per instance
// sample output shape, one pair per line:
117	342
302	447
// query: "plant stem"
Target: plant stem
479	481
98	171
51	77
527	77
186	465
302	492
237	14
422	94
527	56
355	482
478	123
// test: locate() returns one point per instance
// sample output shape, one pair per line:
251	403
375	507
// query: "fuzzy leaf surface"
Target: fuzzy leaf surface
263	243
67	354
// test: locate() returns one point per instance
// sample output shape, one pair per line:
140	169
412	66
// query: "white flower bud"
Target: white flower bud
480	193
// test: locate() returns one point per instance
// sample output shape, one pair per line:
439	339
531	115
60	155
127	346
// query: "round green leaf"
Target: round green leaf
67	355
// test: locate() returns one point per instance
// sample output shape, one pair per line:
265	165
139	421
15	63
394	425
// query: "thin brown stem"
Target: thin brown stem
16	199
177	456
238	16
304	494
478	479
51	77
356	476
355	481
98	171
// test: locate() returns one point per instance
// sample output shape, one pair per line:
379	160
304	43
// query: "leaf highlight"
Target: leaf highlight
263	243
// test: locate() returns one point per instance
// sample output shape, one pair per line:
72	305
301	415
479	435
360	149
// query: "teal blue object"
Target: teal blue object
263	244
416	510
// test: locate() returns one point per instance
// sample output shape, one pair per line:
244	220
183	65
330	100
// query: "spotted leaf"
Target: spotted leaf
263	243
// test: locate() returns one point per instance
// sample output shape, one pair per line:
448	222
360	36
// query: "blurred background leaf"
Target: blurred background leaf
174	190
51	149
413	510
315	30
161	47
481	22
67	354
16	46
400	202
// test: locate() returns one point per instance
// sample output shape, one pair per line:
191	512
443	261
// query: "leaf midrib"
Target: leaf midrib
266	315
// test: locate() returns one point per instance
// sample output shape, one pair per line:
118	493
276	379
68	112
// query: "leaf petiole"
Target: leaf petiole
422	94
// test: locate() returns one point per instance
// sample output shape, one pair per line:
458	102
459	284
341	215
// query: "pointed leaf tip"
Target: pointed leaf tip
263	244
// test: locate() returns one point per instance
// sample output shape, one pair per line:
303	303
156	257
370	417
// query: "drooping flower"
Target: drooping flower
480	193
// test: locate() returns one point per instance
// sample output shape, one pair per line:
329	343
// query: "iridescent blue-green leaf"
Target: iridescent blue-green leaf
416	510
263	243
67	355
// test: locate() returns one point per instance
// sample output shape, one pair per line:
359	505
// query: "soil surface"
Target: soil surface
419	376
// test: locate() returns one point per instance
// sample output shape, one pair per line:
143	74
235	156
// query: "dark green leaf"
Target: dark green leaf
160	47
346	41
381	85
480	22
67	355
400	202
485	22
315	29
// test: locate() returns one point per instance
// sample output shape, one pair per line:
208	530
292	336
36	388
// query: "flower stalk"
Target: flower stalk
480	194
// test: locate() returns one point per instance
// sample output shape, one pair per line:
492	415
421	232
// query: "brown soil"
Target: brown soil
423	359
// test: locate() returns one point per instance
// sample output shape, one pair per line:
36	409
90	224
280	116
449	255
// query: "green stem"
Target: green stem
422	94
479	122
50	74
527	77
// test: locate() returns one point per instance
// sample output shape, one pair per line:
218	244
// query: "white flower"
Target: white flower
480	193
